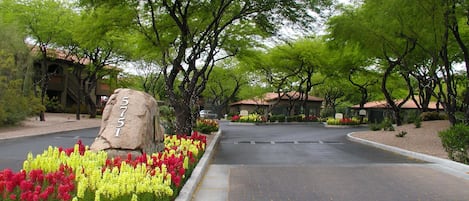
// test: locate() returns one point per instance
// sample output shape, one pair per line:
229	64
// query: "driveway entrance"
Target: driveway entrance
310	162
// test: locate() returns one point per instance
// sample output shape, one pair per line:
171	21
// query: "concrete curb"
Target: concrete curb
241	124
191	185
454	166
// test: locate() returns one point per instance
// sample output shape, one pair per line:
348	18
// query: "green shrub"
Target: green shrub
279	118
410	116
16	100
455	140
429	116
296	118
327	112
401	134
15	107
418	122
387	125
461	117
375	127
168	119
53	105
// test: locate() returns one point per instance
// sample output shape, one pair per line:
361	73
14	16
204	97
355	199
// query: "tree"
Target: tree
191	36
151	79
352	64
292	68
224	86
43	21
395	32
93	39
16	100
314	57
331	91
456	20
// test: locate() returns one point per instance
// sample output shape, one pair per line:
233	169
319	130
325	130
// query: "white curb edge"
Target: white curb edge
454	166
191	185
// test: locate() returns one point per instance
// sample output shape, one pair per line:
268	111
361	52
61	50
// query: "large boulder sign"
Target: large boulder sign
130	124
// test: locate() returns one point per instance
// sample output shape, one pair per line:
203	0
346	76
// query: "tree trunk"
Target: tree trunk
363	91
387	95
44	81
449	100
183	119
90	92
91	106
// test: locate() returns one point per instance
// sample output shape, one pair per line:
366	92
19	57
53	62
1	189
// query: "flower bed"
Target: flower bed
343	121
294	118
80	174
252	118
206	126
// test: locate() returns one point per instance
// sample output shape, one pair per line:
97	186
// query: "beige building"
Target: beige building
377	111
63	84
289	104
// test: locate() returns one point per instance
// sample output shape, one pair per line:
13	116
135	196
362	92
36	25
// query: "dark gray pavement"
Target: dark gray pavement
310	162
13	151
297	144
277	162
395	182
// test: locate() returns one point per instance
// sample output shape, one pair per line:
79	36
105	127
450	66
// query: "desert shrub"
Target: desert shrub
168	119
455	140
291	118
401	134
295	118
299	118
387	125
418	122
16	100
279	118
15	107
410	116
327	112
375	127
461	117
53	105
429	116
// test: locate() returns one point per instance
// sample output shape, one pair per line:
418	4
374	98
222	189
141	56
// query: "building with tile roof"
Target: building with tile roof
290	103
63	85
376	111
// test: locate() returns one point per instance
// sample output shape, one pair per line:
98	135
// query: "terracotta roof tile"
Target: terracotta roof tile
250	102
273	96
409	104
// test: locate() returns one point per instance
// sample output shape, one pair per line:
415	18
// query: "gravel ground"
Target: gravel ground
423	140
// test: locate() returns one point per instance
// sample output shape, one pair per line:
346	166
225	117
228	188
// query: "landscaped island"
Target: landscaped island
80	174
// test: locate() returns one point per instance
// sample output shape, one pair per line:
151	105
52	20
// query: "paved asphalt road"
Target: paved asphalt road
310	162
14	151
294	162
